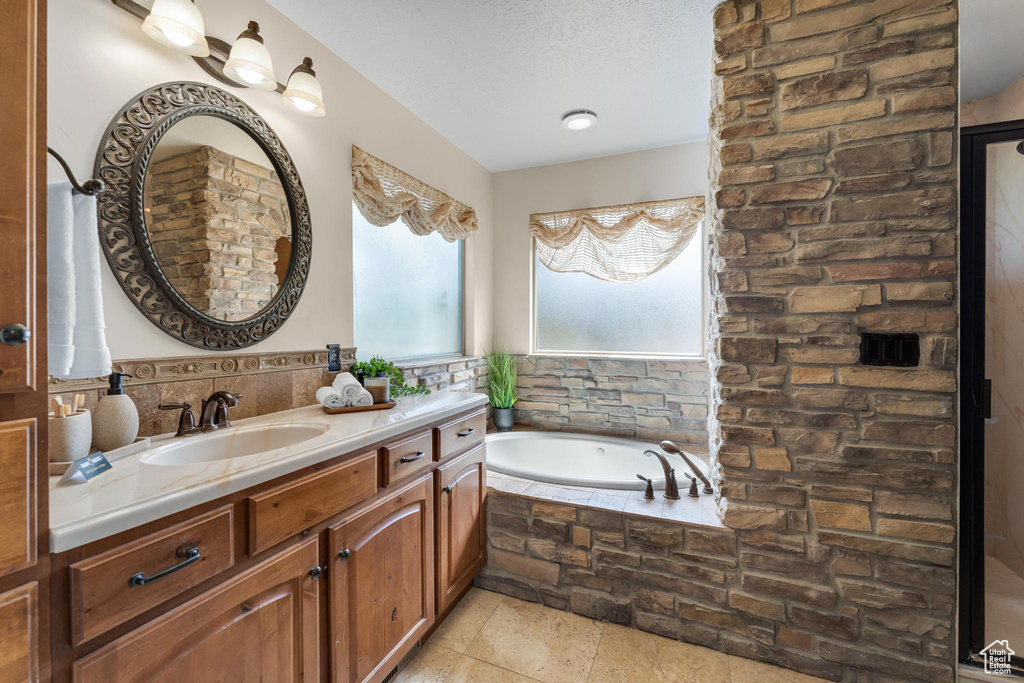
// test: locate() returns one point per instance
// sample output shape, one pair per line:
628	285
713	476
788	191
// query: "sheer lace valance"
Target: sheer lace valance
384	193
624	243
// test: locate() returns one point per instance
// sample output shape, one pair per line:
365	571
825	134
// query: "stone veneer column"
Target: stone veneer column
833	212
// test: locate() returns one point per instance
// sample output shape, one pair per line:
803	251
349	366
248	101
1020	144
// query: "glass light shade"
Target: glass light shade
303	92
178	24
579	119
249	61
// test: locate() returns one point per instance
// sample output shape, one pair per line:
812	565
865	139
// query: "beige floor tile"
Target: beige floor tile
457	631
431	665
538	641
749	671
470	670
626	655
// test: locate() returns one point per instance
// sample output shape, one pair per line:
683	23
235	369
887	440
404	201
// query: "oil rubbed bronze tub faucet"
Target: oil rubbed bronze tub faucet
670	447
671	487
215	410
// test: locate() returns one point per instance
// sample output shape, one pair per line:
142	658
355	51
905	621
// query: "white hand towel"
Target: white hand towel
60	277
92	356
329	398
348	386
363	399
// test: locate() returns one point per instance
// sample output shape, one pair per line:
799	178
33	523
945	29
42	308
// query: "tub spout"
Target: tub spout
670	447
671	487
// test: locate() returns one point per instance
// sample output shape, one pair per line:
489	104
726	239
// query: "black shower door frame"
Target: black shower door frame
974	399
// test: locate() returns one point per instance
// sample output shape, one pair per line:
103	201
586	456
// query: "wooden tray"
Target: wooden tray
361	409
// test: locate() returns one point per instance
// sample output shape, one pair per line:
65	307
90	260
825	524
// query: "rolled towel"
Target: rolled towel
329	398
363	399
348	386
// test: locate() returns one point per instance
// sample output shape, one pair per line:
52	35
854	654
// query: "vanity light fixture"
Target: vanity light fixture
579	119
249	60
303	92
177	24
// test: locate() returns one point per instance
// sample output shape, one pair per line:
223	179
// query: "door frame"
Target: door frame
973	147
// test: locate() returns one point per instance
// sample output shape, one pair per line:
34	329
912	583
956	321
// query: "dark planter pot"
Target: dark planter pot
504	419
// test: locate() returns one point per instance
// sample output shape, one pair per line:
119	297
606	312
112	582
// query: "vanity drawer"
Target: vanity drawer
286	510
458	435
406	457
110	588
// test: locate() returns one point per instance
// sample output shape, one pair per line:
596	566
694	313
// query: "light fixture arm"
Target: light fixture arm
219	50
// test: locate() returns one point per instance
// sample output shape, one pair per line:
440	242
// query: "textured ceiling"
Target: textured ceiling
495	76
991	46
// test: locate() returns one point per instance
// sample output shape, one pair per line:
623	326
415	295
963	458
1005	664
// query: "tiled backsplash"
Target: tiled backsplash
268	382
647	399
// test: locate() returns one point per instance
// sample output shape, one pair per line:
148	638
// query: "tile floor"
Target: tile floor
492	638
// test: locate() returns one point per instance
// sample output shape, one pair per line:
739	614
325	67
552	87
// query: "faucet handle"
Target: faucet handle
649	491
186	421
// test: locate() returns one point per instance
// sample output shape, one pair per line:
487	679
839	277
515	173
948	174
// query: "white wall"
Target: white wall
664	173
99	58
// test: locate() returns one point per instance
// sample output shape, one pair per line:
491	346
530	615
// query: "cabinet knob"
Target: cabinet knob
316	572
448	489
344	554
14	334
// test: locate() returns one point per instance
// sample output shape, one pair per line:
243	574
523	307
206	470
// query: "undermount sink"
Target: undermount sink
231	443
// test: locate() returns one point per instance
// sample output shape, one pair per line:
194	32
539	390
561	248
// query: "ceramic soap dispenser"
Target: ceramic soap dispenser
115	421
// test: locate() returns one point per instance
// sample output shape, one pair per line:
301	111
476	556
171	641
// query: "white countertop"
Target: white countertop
135	493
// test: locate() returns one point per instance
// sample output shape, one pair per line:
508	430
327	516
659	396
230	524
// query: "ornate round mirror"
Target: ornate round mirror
203	220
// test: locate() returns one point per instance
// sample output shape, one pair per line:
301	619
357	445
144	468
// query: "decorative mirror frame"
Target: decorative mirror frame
122	161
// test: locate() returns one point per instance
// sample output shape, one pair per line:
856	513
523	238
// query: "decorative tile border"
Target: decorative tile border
182	368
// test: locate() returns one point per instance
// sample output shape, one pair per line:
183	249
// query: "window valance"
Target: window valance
384	194
624	243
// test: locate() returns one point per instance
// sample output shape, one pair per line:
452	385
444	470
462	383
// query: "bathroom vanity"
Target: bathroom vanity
326	558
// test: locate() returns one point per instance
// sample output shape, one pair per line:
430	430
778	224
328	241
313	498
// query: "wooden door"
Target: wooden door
381	574
23	519
262	625
461	529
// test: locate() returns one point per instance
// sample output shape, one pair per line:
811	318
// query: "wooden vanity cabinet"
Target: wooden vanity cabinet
261	625
461	531
381	577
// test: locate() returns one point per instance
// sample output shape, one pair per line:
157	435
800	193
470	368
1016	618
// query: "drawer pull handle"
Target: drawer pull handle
411	458
140	579
316	572
466	432
448	489
344	554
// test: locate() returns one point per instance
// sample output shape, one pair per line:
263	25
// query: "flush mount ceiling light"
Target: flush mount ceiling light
303	92
579	119
177	24
249	60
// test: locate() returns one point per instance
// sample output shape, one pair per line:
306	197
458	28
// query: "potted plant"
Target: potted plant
501	372
378	367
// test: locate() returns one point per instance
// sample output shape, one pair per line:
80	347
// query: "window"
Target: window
659	315
407	291
620	280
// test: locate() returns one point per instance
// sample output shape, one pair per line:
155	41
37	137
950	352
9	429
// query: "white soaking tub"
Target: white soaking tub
582	460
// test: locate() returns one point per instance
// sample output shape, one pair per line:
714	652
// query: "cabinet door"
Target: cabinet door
261	625
381	574
461	530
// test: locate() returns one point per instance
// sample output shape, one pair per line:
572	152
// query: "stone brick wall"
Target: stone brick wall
215	221
644	399
833	212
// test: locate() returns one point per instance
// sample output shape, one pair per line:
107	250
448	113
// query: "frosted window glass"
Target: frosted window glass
407	291
661	314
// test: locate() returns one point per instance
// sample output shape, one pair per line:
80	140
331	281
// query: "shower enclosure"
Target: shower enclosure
992	396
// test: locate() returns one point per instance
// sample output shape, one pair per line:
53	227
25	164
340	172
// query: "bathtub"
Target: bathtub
581	460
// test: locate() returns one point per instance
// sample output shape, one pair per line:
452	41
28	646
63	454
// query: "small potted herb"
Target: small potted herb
378	367
501	372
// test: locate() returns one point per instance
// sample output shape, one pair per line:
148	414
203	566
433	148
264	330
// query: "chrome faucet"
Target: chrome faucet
670	447
671	487
215	410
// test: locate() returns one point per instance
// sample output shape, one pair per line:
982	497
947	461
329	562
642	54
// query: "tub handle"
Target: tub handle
466	432
649	491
